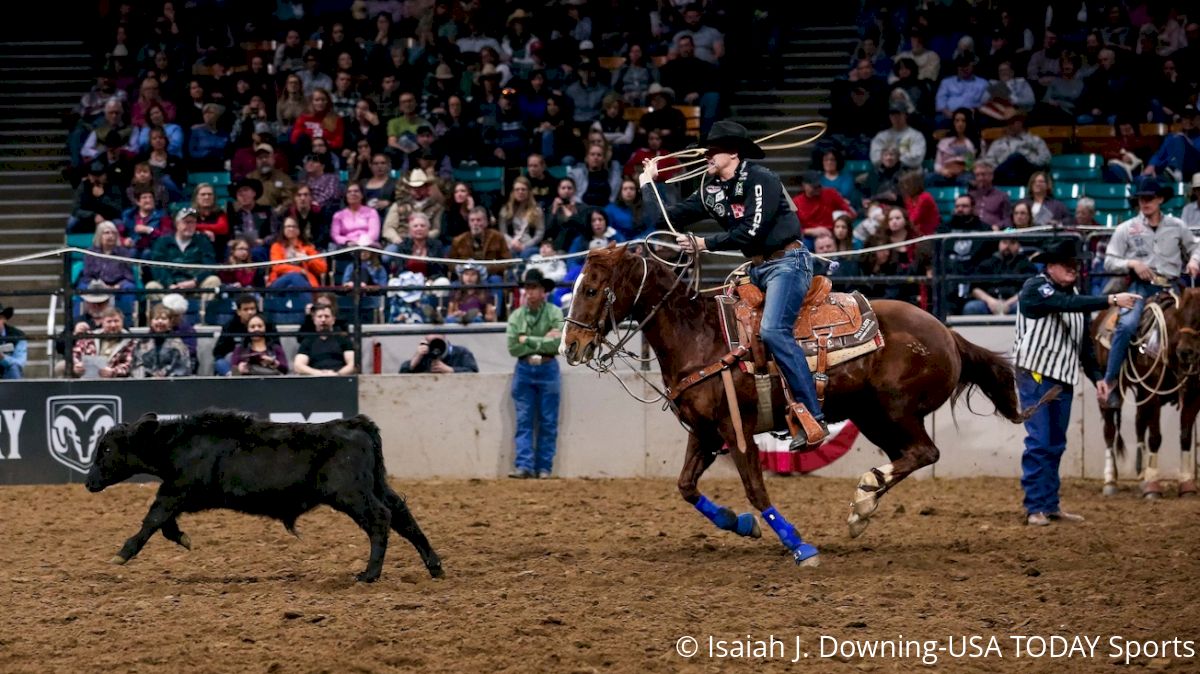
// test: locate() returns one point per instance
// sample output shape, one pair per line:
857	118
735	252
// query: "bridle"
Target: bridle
603	361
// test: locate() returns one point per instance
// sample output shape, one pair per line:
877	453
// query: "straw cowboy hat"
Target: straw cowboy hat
519	15
96	293
417	178
727	135
443	72
657	88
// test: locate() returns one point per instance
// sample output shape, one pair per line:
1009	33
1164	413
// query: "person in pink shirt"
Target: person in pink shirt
357	224
816	204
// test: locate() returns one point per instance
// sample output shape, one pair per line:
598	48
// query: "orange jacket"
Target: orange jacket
310	268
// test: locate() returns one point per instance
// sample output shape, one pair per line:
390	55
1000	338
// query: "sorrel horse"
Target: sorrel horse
1168	376
886	393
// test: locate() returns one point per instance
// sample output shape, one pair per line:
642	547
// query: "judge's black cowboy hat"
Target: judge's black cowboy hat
727	135
1063	250
534	277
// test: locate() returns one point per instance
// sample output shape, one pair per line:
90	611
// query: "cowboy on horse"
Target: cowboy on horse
749	203
1150	247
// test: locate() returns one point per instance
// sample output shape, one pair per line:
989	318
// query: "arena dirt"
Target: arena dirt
583	575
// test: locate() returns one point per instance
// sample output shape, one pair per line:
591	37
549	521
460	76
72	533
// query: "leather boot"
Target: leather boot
813	432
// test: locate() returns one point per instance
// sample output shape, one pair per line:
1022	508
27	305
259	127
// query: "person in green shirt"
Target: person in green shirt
534	333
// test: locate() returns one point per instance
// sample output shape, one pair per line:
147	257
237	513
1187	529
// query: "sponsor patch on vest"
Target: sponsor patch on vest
738	210
1046	290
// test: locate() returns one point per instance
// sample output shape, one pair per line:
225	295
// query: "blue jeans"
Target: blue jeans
980	308
295	300
535	393
223	366
785	282
1045	442
1127	326
12	370
1177	152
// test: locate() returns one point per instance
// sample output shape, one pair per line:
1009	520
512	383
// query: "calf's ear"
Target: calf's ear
146	425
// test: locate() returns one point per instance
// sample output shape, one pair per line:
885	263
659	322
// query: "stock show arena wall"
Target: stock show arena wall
461	426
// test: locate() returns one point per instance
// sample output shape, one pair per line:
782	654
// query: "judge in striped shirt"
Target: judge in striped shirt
1051	344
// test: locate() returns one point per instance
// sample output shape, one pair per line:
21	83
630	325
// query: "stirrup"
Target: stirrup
813	432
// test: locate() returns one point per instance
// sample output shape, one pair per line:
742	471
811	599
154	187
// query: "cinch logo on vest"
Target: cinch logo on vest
10	433
75	425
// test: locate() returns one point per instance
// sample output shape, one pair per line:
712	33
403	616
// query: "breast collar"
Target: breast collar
713	194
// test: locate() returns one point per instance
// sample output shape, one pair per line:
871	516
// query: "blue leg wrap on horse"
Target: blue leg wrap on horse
784	529
722	517
745	524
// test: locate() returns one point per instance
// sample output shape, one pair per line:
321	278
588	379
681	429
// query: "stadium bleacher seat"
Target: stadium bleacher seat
691	113
1065	190
1076	167
945	196
557	172
857	166
214	178
1014	192
482	178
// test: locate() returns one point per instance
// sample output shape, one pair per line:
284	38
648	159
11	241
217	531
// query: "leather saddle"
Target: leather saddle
840	326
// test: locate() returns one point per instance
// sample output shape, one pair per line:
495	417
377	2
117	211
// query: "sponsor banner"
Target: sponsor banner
49	430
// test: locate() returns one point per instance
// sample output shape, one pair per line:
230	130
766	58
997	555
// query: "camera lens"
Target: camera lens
437	348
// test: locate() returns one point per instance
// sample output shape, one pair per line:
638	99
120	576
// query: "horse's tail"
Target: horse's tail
992	374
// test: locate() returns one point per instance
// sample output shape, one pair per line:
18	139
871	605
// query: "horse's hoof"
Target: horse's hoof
436	572
747	525
1152	491
1111	489
185	541
806	554
118	560
1187	488
857	525
367	576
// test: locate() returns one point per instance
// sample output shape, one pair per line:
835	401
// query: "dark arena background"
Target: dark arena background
309	211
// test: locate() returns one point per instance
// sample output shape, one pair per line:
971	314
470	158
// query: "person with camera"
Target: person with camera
438	356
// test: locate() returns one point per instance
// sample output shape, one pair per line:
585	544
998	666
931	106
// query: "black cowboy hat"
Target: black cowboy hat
1149	186
6	312
1059	250
729	135
534	277
253	184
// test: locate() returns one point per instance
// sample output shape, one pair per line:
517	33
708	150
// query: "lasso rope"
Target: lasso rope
1129	371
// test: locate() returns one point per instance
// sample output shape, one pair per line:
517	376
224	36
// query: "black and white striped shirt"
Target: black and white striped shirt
1052	337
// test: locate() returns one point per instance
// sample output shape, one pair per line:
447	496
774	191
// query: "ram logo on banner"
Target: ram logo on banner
75	424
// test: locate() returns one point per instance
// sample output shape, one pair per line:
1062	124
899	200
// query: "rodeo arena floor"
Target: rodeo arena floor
603	575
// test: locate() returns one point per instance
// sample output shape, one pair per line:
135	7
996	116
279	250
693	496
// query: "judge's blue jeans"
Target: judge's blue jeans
535	393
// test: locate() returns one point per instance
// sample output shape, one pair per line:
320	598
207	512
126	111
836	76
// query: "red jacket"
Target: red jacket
312	126
923	212
819	212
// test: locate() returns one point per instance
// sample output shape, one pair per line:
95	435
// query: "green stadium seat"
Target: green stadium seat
482	178
857	166
1174	205
1108	219
1076	161
1070	203
1106	190
214	178
343	176
927	165
174	207
1014	192
557	172
1064	191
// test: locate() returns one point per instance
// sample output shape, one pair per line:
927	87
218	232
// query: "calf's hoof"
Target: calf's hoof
118	560
1110	489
